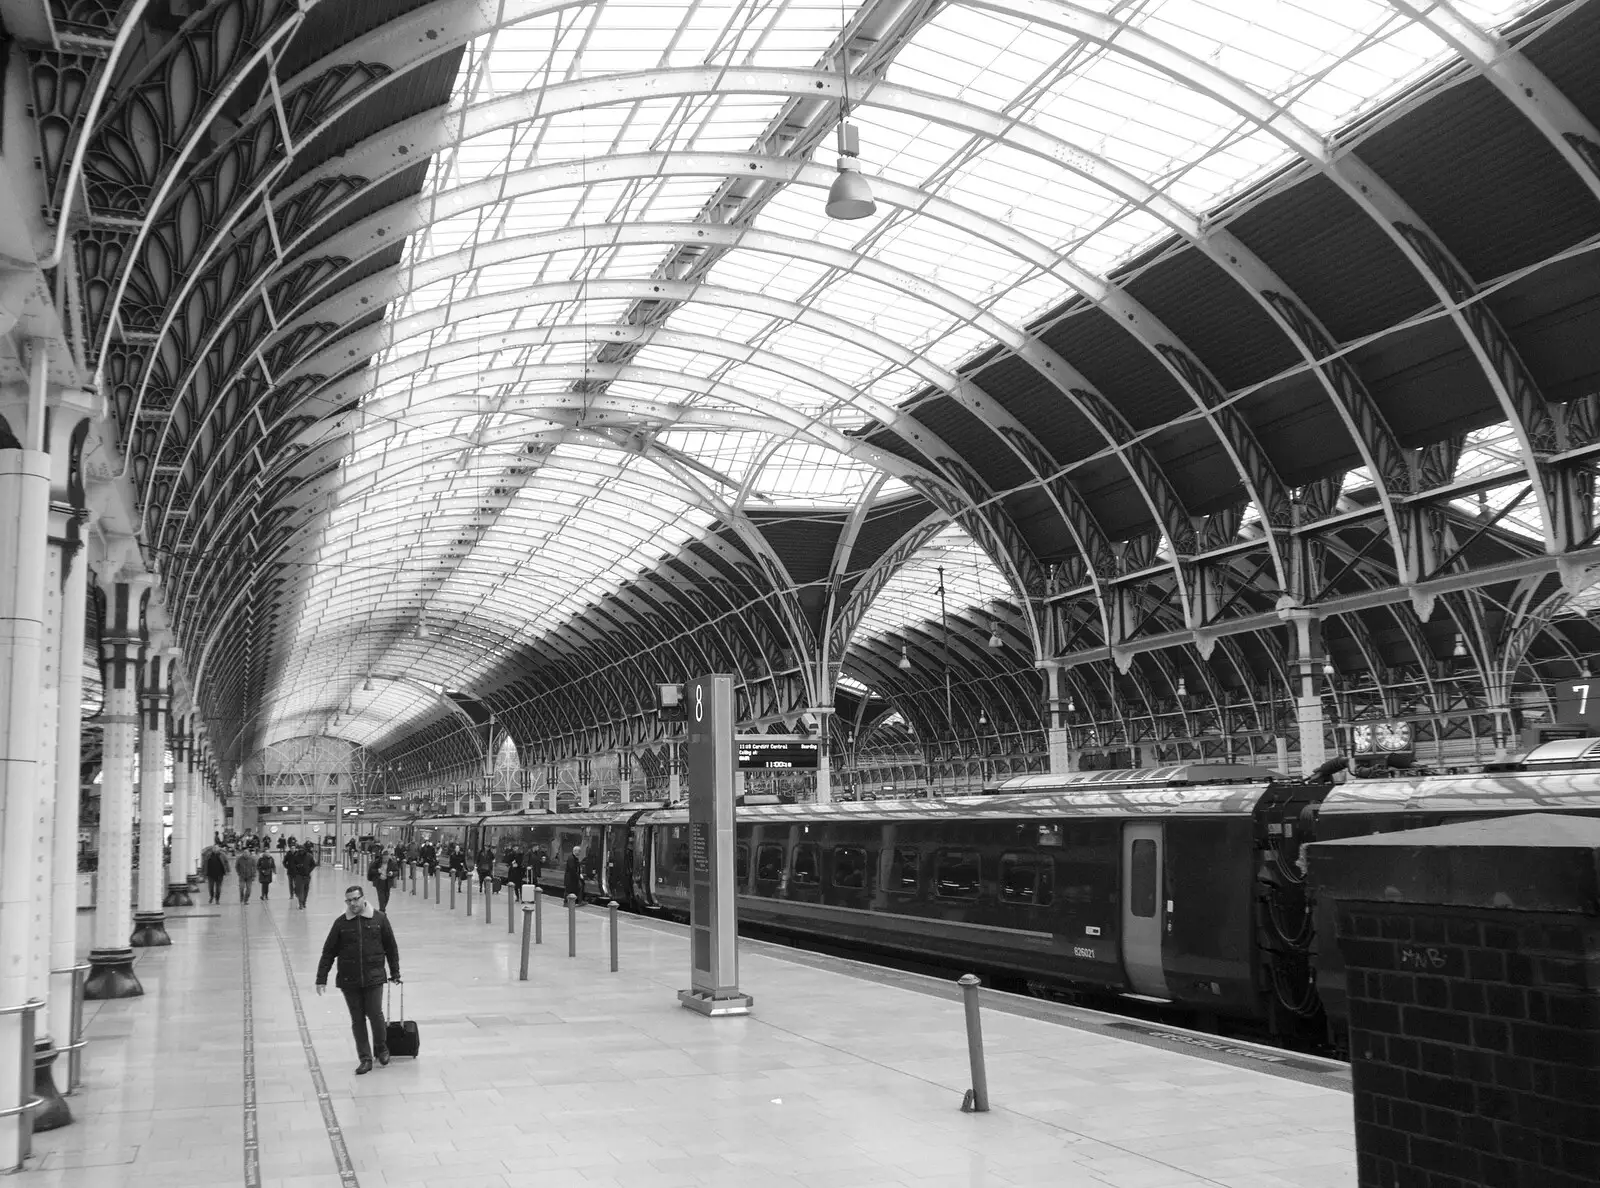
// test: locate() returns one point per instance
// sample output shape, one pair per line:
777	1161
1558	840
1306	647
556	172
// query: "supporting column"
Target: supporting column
199	827
68	740
824	760
1063	758
24	505
55	660
177	873
1306	639
111	957
150	922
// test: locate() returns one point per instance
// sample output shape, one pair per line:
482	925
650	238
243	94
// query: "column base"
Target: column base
111	975
177	896
716	1005
53	1112
149	930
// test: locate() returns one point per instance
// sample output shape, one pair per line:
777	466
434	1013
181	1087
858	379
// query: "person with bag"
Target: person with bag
245	867
382	873
266	868
361	942
486	870
573	875
216	868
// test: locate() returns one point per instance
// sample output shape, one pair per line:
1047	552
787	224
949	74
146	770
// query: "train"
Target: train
1182	887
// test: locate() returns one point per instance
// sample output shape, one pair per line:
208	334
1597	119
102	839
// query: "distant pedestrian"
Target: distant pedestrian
458	864
266	868
381	873
245	867
361	941
535	865
574	875
216	868
514	874
485	869
297	869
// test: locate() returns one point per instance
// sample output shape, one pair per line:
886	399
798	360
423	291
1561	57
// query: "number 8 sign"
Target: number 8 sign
699	703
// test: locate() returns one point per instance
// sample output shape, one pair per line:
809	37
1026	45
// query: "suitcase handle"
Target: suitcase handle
389	999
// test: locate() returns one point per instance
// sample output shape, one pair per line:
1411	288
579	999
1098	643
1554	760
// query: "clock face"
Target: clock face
1361	737
1394	736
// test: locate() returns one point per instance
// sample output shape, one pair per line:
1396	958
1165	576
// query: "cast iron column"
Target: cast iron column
24	508
111	957
149	922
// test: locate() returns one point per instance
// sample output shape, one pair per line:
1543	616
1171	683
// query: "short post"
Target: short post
80	975
511	916
436	892
611	908
572	926
452	893
538	916
527	908
469	897
488	903
414	880
976	1100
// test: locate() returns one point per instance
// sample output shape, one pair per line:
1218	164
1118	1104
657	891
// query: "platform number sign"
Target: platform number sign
1579	701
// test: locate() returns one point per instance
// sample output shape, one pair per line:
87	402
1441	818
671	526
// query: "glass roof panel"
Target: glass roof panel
510	469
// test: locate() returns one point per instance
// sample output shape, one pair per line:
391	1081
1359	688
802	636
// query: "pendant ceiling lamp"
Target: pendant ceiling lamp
850	197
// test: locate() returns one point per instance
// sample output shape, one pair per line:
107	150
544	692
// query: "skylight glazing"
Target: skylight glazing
585	365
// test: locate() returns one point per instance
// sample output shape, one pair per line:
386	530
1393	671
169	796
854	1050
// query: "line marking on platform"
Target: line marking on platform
330	1120
252	1136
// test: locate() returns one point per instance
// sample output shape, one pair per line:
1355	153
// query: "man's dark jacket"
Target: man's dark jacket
360	944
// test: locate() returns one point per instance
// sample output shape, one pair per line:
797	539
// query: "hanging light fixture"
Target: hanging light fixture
1461	646
994	635
850	197
366	685
905	658
1183	687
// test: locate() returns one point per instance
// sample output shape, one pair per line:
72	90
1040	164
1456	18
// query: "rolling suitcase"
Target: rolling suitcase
401	1034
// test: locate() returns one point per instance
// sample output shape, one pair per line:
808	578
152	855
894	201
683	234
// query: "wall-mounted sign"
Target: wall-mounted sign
766	753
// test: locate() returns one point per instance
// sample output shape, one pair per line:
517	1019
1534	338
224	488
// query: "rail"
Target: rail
74	1049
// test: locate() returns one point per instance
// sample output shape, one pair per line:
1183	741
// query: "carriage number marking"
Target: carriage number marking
1083	951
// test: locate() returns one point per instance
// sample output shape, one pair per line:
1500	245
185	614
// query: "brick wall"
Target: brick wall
1473	963
1475	1041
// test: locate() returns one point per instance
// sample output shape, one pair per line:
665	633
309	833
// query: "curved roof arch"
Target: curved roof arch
517	315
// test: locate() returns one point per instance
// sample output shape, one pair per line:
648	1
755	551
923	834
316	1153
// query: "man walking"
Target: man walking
381	874
266	868
245	867
216	868
297	865
361	941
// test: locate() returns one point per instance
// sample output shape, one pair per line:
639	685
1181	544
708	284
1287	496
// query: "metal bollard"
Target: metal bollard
976	1100
74	1048
511	915
452	893
469	897
437	893
527	908
488	903
538	916
30	1101
572	926
612	909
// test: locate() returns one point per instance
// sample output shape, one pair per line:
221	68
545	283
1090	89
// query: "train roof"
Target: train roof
1215	800
1505	791
1563	751
1173	776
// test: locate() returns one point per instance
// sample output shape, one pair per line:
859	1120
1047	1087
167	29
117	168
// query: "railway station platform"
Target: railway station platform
232	1071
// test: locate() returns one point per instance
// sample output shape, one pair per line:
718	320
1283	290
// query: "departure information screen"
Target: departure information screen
758	754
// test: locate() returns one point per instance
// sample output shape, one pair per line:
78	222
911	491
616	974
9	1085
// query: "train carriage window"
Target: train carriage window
905	871
741	863
1142	878
956	875
1027	878
769	864
849	867
807	866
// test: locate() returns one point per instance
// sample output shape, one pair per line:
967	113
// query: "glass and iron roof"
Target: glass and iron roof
607	338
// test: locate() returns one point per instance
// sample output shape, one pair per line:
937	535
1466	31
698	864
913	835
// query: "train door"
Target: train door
1142	908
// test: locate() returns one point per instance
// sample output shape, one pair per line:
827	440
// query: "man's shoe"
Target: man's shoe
363	1068
383	1059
